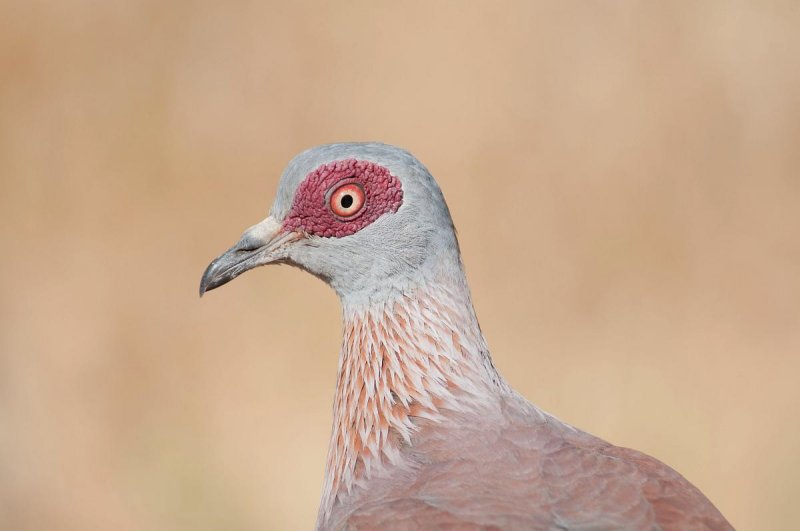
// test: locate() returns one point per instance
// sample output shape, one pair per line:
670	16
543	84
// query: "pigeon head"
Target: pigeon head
367	218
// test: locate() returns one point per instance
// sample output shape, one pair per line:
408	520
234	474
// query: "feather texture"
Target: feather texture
428	435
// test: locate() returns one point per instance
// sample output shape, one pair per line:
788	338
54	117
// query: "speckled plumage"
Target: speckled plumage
426	434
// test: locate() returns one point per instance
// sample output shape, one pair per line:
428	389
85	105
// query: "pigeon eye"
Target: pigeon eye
347	201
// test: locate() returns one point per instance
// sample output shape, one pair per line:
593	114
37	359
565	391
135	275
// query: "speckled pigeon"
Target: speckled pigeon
426	433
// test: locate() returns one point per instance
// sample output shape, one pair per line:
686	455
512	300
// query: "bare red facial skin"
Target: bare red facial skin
311	214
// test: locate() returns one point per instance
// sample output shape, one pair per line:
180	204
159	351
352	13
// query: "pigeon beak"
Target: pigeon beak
261	244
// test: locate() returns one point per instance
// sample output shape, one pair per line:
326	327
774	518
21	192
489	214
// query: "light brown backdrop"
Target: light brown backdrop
624	178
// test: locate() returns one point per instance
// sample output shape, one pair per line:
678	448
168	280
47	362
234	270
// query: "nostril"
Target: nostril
248	243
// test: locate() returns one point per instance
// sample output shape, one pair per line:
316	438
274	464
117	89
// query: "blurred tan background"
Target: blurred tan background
624	178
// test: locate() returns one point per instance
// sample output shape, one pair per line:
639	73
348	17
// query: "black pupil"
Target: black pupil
346	201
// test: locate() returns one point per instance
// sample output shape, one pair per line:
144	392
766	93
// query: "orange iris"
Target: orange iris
347	200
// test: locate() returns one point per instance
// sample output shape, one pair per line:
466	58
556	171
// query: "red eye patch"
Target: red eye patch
342	197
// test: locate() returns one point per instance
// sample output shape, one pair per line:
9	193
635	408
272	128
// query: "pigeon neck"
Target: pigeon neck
411	356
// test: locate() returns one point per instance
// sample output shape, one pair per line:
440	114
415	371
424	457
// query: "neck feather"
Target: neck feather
415	355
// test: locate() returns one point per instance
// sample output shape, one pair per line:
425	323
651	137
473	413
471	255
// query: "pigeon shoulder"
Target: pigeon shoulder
524	469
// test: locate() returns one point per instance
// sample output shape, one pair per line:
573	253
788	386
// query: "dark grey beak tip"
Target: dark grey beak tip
204	282
211	279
